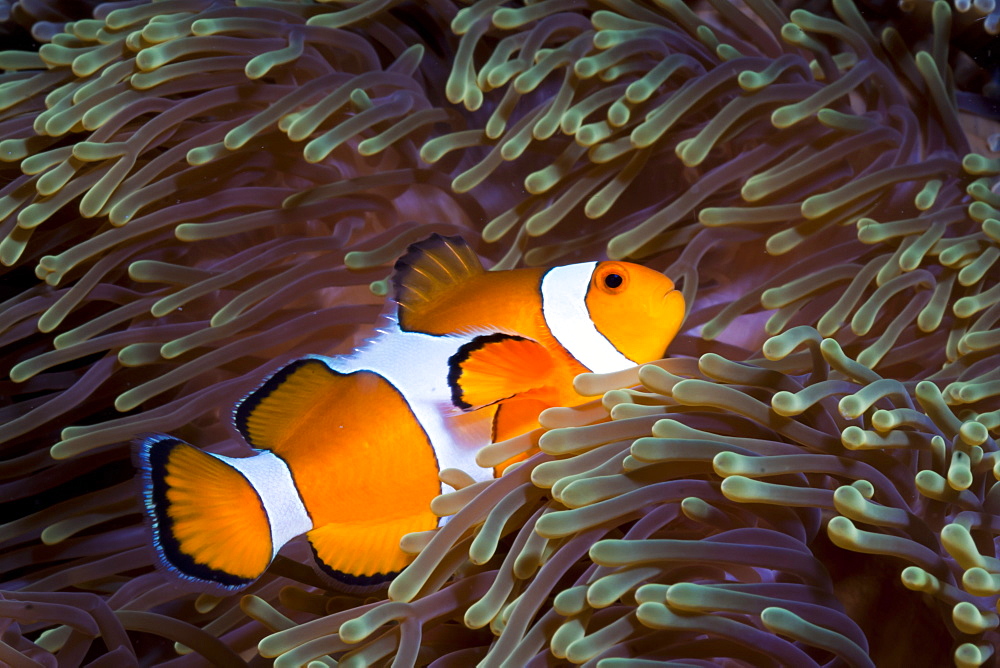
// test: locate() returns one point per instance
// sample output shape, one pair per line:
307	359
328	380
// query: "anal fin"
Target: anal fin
366	554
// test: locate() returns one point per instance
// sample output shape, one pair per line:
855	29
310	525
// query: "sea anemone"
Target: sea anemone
194	192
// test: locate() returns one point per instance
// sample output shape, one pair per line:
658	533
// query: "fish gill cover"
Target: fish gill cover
191	190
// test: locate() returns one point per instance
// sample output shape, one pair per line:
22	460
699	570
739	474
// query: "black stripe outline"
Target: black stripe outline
541	300
596	328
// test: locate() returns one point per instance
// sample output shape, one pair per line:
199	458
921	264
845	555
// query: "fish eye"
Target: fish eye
611	278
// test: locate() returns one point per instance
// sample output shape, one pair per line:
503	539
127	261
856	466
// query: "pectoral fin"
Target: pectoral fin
494	367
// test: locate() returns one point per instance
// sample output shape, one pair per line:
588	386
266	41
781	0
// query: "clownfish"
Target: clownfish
347	449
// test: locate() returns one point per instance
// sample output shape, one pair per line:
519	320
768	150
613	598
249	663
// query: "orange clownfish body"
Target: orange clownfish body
348	448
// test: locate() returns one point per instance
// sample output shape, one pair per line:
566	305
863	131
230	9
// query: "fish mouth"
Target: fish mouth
668	302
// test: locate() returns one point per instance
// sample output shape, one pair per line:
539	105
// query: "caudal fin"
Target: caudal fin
209	524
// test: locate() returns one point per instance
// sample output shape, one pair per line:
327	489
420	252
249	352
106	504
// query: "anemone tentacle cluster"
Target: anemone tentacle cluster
194	191
721	502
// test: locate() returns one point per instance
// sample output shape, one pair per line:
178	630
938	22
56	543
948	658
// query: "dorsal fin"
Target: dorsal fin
430	268
270	415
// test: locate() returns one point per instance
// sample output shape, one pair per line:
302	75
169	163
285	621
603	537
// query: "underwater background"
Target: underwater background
194	192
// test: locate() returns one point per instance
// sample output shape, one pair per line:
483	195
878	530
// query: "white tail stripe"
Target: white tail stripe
272	480
564	307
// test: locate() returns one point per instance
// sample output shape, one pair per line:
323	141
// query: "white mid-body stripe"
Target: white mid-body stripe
271	479
416	364
564	307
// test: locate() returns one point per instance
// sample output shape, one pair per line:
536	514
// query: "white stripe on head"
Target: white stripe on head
272	480
564	307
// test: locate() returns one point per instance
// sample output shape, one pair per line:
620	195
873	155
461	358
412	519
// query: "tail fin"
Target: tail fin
209	524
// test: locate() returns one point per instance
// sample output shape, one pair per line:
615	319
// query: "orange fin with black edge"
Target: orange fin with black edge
271	414
209	524
343	437
494	367
513	418
430	269
364	555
